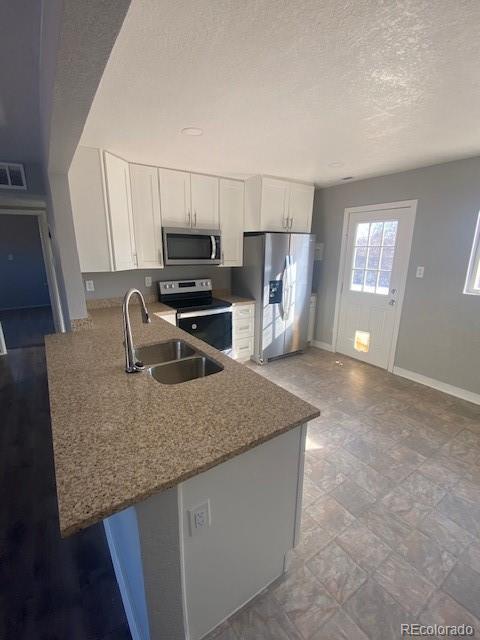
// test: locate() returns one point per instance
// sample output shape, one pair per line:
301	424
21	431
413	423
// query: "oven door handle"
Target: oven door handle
214	247
206	312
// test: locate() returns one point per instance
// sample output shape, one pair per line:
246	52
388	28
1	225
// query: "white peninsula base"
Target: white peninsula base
179	586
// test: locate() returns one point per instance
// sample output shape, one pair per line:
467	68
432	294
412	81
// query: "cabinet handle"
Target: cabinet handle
135	260
188	217
195	219
223	258
291	223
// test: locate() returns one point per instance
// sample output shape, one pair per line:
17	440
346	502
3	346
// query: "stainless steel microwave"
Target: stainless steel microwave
191	246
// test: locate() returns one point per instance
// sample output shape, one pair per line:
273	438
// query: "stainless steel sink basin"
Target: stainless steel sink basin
163	352
184	370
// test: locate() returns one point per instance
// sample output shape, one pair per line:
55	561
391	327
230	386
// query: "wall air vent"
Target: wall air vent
12	176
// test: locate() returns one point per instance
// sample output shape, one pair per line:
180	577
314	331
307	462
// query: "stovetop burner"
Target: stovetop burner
190	295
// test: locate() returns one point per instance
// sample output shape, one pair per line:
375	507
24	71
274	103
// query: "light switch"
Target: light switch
89	286
420	271
319	251
148	281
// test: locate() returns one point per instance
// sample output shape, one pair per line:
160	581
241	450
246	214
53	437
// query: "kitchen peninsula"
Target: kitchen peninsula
198	483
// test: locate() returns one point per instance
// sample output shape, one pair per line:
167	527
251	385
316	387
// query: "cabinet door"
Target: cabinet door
300	207
175	198
120	211
147	220
87	196
232	205
274	205
204	201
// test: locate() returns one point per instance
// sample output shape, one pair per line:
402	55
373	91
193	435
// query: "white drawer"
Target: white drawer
243	328
243	348
244	311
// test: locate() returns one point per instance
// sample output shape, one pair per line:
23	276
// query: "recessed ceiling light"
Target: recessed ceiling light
348	178
335	164
192	131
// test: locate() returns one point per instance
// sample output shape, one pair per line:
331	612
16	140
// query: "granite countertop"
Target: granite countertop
119	438
230	297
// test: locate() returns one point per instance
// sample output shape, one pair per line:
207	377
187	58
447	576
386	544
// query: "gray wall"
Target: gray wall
440	326
23	280
112	285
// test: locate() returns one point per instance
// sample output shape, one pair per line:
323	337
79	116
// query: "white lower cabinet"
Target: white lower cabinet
243	329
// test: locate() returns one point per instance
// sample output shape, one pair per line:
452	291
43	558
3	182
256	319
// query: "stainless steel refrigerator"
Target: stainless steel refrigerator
277	273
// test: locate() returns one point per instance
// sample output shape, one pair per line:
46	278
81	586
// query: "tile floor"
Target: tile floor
391	514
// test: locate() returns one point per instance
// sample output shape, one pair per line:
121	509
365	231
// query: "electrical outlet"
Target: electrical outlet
148	281
420	272
89	286
199	518
319	251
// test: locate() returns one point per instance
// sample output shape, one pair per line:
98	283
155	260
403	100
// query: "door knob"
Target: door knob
392	302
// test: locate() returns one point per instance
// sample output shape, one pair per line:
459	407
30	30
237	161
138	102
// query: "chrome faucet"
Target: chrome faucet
130	365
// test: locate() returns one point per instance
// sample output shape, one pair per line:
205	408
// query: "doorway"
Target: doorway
26	314
373	271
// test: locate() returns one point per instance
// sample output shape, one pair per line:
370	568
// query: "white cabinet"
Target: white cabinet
120	212
147	221
232	205
243	327
175	198
300	206
188	199
204	190
90	219
272	204
274	207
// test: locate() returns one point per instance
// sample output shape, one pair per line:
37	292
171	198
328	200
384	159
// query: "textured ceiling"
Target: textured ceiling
19	51
289	87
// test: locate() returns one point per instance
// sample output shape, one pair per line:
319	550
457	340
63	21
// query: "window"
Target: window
373	256
472	284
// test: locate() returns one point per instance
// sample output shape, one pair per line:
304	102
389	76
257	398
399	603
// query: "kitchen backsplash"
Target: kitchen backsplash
112	285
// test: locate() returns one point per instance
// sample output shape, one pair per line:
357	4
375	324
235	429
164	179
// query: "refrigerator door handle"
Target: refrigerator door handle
284	289
289	285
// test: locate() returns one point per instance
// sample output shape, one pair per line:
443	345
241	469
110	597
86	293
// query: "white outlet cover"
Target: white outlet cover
420	271
148	281
89	286
199	518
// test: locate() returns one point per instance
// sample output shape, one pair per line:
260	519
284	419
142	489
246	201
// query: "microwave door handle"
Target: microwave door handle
214	247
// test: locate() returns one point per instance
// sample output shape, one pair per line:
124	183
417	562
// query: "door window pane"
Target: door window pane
373	256
376	230
360	257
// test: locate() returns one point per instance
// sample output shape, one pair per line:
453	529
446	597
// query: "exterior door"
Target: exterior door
274	301
299	288
376	261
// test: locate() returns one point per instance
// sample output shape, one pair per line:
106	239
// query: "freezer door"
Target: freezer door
273	303
299	287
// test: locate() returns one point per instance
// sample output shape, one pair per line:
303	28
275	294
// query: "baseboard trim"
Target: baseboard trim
322	345
122	584
463	394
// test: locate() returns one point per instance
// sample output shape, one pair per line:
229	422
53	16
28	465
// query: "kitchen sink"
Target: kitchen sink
192	368
163	352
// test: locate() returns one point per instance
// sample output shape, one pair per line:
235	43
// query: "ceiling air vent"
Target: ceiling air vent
12	176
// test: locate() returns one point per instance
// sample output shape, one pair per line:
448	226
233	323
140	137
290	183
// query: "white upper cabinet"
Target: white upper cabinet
274	209
87	197
188	199
232	205
147	220
204	190
272	204
300	207
175	198
120	212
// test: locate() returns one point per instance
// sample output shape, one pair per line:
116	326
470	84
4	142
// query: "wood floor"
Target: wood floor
50	589
26	327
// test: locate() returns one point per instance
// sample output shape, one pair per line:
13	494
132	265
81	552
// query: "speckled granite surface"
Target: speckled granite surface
118	438
223	294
